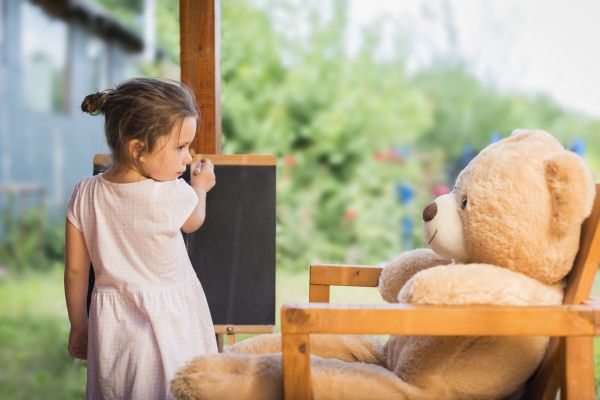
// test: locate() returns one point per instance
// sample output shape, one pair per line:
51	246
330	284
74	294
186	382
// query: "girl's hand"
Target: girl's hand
203	175
77	346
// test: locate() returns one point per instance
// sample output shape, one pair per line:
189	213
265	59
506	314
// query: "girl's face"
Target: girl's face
171	152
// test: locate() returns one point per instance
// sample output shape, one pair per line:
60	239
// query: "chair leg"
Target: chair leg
577	380
296	367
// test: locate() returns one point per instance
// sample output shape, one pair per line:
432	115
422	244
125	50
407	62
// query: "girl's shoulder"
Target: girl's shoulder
184	188
177	190
84	183
148	188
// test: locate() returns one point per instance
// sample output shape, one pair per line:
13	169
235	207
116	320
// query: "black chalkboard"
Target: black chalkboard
233	253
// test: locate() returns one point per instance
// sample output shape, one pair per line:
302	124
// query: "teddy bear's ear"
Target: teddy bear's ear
571	190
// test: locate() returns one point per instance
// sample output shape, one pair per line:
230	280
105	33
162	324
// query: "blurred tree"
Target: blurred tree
466	113
127	11
300	95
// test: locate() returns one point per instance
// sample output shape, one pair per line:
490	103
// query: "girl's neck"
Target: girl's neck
123	175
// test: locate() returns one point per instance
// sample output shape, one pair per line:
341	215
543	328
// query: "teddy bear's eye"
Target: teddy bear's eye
463	204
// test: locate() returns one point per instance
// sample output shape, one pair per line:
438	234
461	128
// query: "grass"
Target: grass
33	340
34	329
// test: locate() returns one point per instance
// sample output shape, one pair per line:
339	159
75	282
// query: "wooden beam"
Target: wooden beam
344	275
239	159
199	24
251	329
400	319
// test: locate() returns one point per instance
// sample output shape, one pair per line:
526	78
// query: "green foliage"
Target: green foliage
466	112
167	27
35	363
325	114
28	240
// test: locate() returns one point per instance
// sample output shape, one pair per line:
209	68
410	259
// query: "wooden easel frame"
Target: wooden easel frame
229	332
200	46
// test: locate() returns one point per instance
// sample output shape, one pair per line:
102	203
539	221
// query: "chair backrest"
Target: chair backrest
545	382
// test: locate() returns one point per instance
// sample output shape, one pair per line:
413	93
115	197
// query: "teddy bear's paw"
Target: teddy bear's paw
399	270
228	376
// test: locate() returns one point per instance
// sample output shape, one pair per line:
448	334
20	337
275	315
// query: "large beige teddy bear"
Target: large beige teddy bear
507	234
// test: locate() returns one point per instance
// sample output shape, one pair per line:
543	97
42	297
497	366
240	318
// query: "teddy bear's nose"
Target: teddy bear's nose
429	212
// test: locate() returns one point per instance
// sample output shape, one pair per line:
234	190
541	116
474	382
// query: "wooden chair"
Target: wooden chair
569	360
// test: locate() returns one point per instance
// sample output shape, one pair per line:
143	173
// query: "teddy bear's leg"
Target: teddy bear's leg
339	380
465	367
230	376
254	377
350	348
259	344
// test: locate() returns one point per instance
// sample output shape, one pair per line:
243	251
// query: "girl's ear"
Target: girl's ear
136	149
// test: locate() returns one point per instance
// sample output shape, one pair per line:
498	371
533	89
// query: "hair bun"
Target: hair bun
95	103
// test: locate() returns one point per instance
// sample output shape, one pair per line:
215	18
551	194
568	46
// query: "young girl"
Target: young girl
148	314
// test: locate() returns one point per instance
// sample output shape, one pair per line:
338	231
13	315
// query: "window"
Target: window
44	57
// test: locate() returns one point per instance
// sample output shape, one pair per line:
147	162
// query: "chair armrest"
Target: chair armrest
322	276
298	321
474	320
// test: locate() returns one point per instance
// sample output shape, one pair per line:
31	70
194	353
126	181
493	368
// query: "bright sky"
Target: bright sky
534	46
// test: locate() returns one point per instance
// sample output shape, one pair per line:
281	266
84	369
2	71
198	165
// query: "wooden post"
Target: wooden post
200	58
296	380
578	374
318	293
199	23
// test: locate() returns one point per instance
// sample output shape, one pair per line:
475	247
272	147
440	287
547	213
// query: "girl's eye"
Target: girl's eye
181	150
463	204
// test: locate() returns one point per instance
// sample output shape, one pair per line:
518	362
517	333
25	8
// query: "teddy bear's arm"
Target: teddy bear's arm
463	284
399	270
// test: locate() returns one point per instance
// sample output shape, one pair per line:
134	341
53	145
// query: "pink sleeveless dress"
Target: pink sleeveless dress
148	314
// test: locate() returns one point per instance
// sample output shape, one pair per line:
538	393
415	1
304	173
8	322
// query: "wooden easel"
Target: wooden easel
200	44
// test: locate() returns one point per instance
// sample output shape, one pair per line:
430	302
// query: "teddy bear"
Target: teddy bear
507	234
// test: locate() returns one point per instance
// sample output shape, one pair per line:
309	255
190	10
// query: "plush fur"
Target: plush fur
507	234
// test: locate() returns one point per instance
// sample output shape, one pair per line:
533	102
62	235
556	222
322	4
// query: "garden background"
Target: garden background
364	140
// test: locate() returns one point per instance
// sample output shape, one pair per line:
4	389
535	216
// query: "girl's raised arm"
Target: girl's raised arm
77	265
202	180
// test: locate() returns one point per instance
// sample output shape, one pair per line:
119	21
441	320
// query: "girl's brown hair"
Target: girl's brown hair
140	108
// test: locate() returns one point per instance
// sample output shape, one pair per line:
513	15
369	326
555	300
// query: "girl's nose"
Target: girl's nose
187	158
